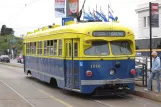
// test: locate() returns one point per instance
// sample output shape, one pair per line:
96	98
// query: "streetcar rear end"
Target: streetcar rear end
108	64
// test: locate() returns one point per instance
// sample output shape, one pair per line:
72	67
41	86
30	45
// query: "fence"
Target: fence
142	70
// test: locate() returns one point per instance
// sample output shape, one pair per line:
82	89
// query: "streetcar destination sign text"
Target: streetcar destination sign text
109	33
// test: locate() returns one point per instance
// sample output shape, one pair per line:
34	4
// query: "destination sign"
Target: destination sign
109	33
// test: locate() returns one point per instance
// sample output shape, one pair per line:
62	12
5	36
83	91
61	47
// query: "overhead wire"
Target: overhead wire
22	9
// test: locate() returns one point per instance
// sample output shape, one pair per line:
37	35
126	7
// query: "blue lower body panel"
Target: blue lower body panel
73	77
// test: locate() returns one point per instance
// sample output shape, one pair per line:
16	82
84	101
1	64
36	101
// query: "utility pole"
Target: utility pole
150	31
154	22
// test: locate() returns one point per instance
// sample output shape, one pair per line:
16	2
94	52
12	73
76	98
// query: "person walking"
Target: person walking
155	72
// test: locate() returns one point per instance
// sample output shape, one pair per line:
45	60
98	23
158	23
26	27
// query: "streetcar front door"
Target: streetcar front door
72	64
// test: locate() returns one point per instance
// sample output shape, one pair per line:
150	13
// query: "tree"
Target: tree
6	31
9	31
3	29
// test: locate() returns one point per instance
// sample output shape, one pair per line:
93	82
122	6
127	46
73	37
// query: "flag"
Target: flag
103	15
95	16
110	15
98	15
87	16
91	14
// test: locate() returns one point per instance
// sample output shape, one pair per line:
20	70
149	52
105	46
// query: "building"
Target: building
143	42
143	20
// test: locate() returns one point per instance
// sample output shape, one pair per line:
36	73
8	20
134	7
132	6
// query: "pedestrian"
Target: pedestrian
155	72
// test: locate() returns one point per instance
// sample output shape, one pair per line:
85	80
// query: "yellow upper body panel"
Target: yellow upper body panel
80	28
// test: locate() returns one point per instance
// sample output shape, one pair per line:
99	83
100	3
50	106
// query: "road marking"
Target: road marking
99	102
17	93
55	98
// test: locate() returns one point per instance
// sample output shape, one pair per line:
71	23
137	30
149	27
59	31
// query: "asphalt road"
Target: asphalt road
19	90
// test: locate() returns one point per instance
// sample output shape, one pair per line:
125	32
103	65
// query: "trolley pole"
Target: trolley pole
154	22
150	35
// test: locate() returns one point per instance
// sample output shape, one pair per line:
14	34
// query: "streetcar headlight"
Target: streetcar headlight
112	72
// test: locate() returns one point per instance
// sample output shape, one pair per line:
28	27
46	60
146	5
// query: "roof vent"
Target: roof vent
45	28
55	26
29	33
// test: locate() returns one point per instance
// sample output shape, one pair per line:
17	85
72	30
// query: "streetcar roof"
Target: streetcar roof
83	28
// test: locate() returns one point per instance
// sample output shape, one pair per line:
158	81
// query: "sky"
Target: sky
28	15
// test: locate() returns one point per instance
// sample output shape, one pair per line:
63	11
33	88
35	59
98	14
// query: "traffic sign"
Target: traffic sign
64	20
154	14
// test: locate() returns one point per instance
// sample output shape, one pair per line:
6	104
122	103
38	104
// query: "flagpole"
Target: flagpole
96	7
108	12
83	14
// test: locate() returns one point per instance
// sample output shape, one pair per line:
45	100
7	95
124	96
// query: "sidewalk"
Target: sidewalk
139	91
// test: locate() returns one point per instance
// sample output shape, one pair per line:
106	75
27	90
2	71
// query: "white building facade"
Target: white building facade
143	21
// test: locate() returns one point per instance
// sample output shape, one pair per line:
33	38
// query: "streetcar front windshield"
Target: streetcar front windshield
98	48
121	48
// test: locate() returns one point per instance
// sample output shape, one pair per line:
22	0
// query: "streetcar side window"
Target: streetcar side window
39	48
55	47
27	48
67	50
70	50
76	49
50	47
45	47
33	48
60	48
30	48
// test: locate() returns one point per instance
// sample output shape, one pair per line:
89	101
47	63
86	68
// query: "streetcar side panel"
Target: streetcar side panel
46	68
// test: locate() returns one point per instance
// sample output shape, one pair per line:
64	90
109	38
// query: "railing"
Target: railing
142	70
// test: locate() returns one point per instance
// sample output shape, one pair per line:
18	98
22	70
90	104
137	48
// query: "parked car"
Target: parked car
20	59
4	58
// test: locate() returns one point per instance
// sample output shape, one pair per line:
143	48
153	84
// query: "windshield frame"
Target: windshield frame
108	48
115	54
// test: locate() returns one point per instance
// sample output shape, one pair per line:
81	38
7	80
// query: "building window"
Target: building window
148	20
60	47
144	21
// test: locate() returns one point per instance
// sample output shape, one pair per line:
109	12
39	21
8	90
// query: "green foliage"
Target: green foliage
11	42
6	31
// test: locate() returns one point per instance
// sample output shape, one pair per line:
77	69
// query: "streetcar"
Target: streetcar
88	58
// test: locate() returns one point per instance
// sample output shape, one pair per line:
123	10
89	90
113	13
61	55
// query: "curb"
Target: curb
148	95
9	64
